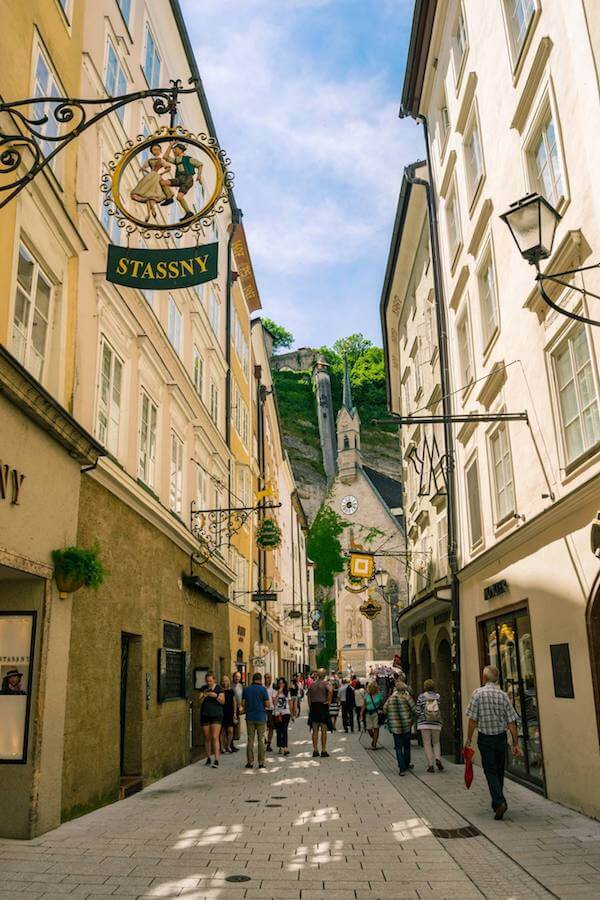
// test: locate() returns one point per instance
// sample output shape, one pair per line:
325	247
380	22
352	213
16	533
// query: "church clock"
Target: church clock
349	505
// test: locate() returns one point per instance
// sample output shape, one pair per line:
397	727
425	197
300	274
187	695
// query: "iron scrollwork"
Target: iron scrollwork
214	528
63	120
430	465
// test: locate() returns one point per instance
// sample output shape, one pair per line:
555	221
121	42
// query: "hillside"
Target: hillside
297	408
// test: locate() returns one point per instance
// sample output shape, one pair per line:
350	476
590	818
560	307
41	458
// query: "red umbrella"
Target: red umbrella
468	754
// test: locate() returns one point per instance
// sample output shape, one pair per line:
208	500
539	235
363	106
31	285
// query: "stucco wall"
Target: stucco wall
141	590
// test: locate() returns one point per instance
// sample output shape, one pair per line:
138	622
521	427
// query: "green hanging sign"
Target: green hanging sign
162	270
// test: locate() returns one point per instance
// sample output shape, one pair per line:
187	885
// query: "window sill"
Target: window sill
458	77
125	22
505	524
487	350
455	258
467	391
578	464
444	144
64	17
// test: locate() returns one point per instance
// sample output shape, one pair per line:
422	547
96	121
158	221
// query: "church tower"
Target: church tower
349	458
325	417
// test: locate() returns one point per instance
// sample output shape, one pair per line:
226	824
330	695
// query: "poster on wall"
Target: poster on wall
17	634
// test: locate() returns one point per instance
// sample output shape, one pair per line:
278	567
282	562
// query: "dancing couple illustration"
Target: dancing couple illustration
156	186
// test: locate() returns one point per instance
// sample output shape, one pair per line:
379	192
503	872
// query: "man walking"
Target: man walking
401	712
491	713
254	704
319	697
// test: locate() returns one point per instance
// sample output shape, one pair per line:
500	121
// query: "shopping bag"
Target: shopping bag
468	754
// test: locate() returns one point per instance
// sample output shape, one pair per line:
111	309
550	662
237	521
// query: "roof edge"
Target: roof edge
416	60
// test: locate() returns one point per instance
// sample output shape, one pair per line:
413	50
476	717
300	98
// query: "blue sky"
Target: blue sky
305	97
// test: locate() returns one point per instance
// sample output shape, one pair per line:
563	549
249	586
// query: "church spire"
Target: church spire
347	395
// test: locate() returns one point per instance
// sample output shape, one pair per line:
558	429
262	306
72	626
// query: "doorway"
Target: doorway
507	644
130	714
201	648
593	627
425	662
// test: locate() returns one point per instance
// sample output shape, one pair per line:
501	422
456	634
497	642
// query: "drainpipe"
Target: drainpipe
445	384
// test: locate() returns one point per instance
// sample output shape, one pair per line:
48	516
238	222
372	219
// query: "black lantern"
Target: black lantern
532	222
381	577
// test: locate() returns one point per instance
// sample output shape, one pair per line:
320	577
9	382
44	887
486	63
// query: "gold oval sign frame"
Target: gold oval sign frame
207	146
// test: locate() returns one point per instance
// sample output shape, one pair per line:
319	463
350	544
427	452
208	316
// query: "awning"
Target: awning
433	603
196	584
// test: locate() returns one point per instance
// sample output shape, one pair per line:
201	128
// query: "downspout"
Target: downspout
236	216
260	400
445	384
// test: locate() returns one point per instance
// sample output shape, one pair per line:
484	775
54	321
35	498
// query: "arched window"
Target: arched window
346	442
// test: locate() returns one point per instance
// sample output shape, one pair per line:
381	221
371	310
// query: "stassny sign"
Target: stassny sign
162	270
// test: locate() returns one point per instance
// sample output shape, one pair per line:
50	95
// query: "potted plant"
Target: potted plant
75	567
268	535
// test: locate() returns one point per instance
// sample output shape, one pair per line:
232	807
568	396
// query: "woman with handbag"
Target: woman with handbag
374	714
282	715
429	723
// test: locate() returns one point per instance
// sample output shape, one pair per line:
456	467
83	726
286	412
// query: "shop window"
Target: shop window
519	15
151	60
171	664
488	300
148	423
502	474
577	394
32	314
474	503
174	325
109	398
198	372
114	77
176	476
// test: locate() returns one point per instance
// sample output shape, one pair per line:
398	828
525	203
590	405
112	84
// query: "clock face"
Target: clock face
349	505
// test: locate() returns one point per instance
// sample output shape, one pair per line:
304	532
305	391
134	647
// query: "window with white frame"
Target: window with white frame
198	371
474	502
453	232
109	398
201	488
444	120
406	399
243	486
544	160
148	424
32	314
577	394
176	475
465	347
488	299
416	368
125	7
473	155
519	14
45	85
114	77
214	403
460	44
174	325
151	60
442	544
502	473
214	312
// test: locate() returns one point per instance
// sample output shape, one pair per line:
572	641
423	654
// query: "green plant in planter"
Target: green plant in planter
268	535
75	567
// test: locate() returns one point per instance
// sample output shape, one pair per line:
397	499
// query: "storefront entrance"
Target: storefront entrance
506	643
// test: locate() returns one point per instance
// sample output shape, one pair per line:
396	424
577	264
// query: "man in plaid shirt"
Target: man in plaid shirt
401	712
491	713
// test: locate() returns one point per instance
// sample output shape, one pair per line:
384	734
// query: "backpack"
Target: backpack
432	710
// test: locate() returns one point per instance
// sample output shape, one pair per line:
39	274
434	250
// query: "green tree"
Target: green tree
352	346
328	629
323	545
282	338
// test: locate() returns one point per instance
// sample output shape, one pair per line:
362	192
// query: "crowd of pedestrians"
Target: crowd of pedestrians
269	708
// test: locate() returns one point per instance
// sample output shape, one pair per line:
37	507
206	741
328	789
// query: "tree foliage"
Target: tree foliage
328	630
324	547
353	346
282	338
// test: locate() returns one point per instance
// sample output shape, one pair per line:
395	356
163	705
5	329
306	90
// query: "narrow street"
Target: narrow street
343	828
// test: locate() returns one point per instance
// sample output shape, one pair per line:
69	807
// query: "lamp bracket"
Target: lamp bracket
557	278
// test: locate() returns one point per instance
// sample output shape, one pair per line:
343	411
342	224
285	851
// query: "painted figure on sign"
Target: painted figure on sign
186	169
12	682
151	188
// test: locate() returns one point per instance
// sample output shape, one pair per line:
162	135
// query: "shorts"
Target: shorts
372	720
270	722
319	715
183	182
211	720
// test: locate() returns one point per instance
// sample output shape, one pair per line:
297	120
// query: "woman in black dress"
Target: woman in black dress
229	715
211	717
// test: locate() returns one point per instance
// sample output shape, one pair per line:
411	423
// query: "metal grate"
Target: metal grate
467	831
237	878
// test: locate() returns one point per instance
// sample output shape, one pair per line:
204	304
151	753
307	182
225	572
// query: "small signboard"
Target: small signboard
265	596
495	589
162	270
561	671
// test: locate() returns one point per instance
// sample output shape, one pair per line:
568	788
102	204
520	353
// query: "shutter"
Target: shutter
162	675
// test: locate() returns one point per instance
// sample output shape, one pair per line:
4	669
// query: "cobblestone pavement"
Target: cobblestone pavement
343	828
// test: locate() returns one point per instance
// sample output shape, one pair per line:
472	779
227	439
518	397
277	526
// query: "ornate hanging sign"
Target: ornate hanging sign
361	565
169	184
370	608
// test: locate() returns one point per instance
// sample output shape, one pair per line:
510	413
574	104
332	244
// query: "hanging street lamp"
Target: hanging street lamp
532	222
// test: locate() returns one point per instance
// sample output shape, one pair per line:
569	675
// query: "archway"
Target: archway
413	673
425	662
443	681
593	629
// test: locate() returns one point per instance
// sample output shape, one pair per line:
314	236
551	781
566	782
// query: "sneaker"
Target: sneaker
207	763
249	766
315	753
401	774
324	754
286	752
262	766
215	764
500	811
438	763
233	749
430	769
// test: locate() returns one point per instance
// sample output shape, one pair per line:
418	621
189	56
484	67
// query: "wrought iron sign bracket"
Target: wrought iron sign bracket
440	420
557	278
215	527
70	117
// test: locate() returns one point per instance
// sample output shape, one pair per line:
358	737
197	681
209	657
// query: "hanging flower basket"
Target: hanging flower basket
75	567
268	535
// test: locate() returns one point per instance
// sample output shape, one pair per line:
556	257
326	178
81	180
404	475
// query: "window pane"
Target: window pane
474	502
25	271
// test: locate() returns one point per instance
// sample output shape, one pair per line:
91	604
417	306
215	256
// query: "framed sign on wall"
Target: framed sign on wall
17	640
